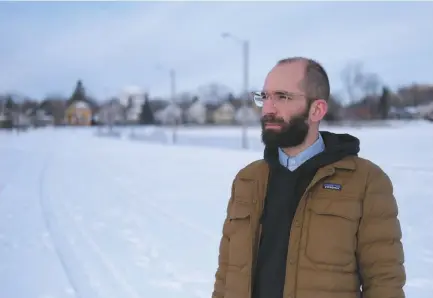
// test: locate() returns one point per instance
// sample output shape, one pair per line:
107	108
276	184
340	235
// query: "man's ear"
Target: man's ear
318	110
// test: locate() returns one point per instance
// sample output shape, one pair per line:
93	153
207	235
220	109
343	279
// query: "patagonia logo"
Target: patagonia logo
333	186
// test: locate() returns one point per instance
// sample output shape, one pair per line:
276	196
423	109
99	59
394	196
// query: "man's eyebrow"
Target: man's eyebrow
277	91
284	92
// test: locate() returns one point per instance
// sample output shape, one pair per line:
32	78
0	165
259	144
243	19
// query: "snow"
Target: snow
88	217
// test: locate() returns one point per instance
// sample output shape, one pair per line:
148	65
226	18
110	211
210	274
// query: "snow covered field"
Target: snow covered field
107	217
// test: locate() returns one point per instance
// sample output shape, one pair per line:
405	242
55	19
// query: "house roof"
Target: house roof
158	104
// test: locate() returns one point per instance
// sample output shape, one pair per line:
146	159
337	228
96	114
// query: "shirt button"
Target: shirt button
297	223
291	261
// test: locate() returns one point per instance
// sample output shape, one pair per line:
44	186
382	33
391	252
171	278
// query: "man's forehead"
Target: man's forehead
285	77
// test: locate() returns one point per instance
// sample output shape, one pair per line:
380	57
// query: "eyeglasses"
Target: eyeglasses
277	97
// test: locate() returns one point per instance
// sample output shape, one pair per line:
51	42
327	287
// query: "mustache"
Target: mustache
270	118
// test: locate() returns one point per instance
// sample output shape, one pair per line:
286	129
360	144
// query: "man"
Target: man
312	219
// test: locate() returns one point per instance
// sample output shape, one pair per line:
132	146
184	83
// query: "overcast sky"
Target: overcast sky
46	47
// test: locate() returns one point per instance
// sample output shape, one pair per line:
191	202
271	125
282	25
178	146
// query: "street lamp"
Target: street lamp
245	69
172	74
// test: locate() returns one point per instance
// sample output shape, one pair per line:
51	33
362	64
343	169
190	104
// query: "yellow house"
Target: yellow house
78	113
224	114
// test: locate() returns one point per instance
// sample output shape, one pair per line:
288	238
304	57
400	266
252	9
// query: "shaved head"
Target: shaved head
315	81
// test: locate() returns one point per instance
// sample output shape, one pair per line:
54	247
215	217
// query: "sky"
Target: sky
46	47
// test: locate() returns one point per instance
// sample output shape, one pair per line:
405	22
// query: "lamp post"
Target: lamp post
172	77
245	74
173	97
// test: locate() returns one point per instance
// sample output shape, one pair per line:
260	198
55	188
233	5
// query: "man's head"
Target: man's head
294	100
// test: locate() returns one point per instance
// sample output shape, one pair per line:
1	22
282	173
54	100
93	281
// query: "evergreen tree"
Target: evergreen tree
146	115
384	104
10	105
79	93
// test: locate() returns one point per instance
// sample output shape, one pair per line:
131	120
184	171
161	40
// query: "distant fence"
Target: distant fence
217	137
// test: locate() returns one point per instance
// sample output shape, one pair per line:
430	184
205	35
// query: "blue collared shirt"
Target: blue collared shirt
293	162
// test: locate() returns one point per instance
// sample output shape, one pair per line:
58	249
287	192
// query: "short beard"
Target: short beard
291	134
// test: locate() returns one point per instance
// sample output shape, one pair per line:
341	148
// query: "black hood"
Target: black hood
337	147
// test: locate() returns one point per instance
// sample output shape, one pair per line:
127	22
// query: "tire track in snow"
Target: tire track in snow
106	261
175	274
45	215
134	192
125	286
176	279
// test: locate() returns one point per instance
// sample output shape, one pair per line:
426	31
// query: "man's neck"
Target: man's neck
312	137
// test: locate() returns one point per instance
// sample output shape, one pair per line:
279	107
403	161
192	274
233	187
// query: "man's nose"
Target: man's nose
268	107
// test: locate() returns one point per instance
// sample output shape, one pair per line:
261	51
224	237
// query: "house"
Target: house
78	112
4	114
15	111
425	109
224	114
247	115
39	117
20	120
111	112
5	120
157	104
403	113
54	106
196	112
416	94
132	98
171	114
210	110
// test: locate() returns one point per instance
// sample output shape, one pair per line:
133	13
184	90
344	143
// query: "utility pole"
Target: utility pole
246	56
173	100
245	74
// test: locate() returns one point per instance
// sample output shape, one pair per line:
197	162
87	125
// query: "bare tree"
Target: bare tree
358	84
184	97
371	84
213	92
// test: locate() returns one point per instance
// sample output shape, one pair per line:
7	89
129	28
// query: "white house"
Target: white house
133	98
111	112
247	115
41	118
196	113
425	109
171	114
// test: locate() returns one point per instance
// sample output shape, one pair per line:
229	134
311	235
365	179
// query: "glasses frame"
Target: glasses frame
286	97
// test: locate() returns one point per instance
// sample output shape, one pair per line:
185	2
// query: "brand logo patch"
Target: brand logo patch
333	186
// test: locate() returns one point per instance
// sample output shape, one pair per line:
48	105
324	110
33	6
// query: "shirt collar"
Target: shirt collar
293	162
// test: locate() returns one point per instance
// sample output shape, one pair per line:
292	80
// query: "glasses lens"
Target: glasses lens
258	98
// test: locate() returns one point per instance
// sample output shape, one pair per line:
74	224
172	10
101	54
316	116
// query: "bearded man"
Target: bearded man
311	219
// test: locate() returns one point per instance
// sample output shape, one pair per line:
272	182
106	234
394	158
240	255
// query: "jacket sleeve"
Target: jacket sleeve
380	251
223	257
